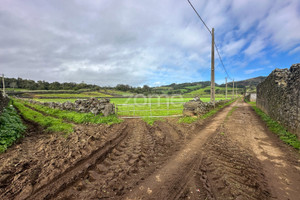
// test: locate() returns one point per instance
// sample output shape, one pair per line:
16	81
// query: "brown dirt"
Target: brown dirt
223	157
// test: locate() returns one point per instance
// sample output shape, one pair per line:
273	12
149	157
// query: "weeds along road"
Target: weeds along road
229	156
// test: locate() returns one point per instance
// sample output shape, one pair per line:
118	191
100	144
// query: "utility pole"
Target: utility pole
232	88
212	88
226	87
236	90
3	84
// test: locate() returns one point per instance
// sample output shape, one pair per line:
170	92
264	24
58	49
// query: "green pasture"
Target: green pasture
117	92
66	95
138	106
220	92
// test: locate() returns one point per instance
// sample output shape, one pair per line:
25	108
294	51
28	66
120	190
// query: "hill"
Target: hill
203	88
252	82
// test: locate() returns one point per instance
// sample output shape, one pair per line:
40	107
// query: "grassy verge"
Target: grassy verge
151	120
50	123
11	127
275	127
75	116
230	112
189	120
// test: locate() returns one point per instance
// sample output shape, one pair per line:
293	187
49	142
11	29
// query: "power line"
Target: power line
199	16
214	42
222	61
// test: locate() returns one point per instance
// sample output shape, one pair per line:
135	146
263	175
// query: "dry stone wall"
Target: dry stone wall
196	107
279	96
92	105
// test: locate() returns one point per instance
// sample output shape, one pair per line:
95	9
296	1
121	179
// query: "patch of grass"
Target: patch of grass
55	100
187	119
75	116
275	127
214	111
222	133
151	120
11	127
230	112
50	123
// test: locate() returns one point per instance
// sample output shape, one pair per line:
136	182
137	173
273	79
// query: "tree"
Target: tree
13	85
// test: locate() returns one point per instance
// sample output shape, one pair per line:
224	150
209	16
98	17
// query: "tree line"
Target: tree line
44	85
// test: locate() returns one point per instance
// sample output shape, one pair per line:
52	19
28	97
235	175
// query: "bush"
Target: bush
11	127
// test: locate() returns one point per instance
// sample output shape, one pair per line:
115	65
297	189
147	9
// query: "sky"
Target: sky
153	42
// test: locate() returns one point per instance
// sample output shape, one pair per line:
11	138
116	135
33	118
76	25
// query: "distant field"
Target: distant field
220	92
66	95
117	92
142	106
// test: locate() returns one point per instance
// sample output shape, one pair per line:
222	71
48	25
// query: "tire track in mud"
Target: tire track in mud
73	173
122	169
170	181
280	162
227	171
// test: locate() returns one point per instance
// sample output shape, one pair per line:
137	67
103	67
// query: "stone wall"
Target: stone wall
196	107
92	105
279	97
3	102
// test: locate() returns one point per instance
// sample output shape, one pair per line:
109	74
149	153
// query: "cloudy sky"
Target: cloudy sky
152	42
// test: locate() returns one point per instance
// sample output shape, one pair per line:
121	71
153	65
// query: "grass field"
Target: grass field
117	92
50	123
164	106
66	95
220	92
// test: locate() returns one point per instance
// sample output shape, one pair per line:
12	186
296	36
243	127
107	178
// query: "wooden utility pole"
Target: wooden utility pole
232	88
212	88
3	84
226	88
236	90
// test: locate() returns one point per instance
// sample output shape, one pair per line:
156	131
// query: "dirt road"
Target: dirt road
224	157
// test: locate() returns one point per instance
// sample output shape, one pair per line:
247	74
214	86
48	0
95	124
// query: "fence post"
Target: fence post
150	110
116	110
168	107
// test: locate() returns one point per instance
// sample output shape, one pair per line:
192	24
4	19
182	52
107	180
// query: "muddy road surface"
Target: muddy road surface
223	157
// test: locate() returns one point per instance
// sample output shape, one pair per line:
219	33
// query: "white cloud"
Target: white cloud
135	42
255	48
234	47
295	50
251	71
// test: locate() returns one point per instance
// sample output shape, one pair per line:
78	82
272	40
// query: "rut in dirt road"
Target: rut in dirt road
243	160
170	181
280	162
135	158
